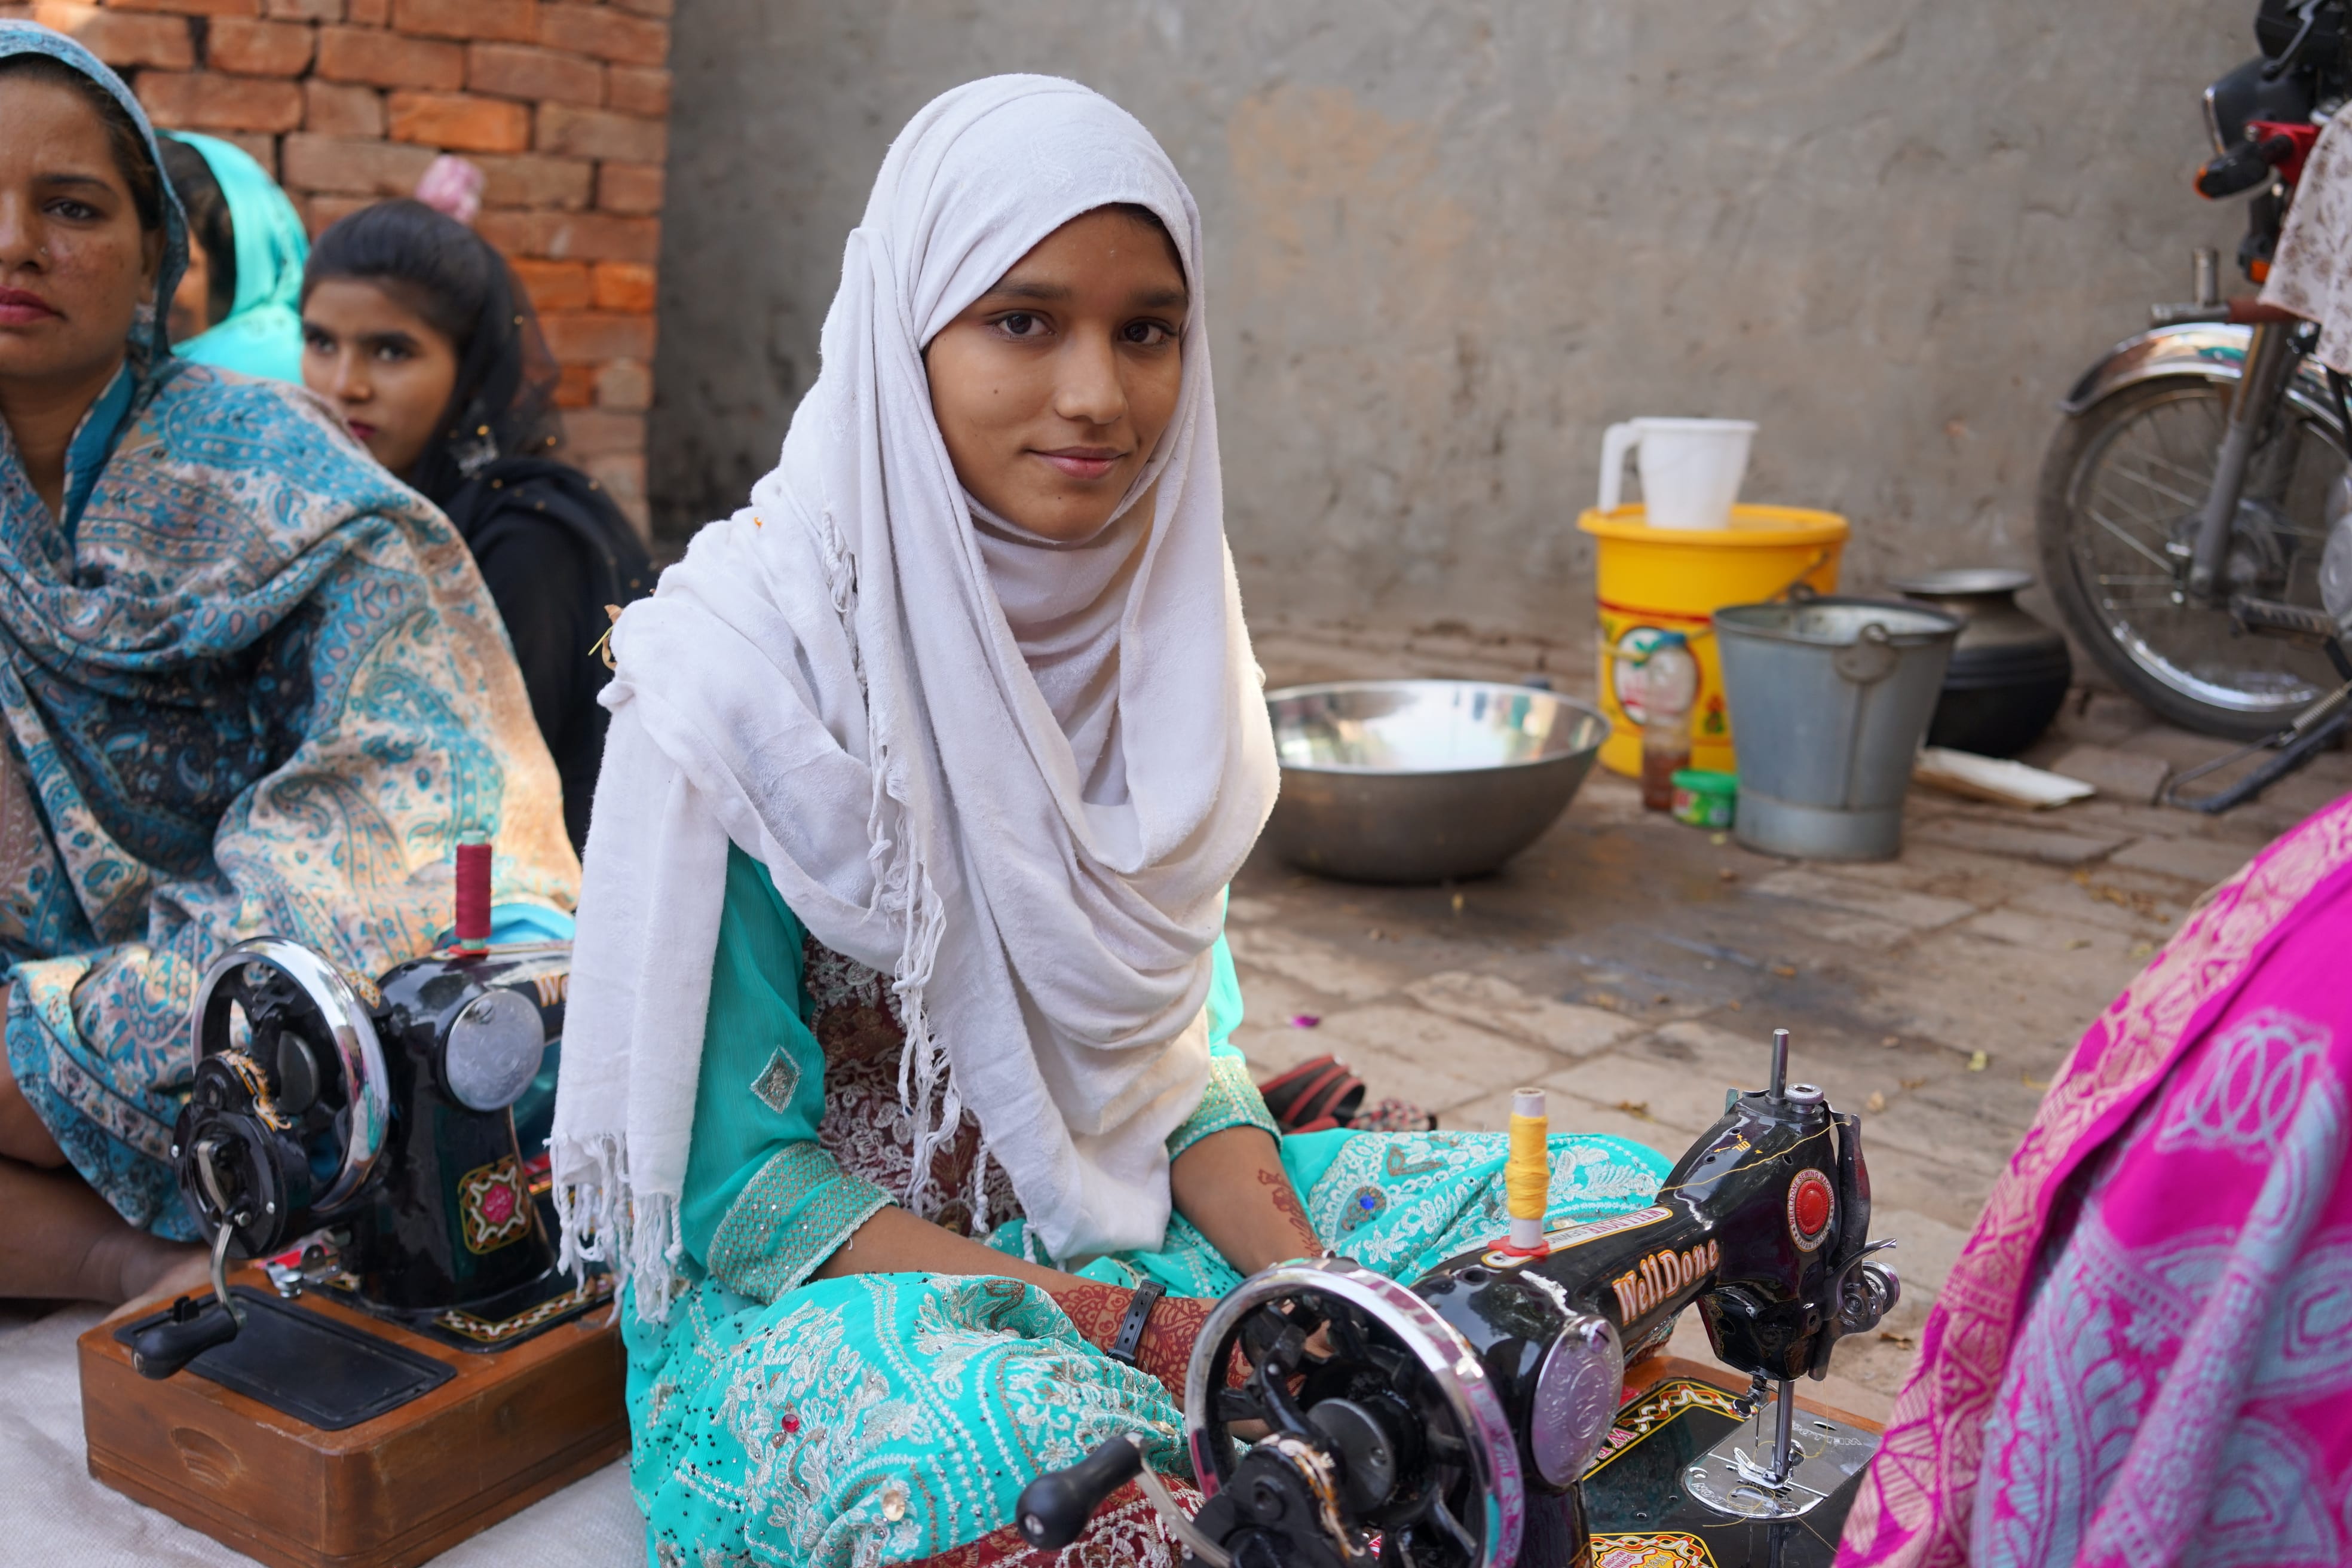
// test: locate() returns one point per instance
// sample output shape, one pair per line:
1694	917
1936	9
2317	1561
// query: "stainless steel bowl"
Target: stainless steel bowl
1422	781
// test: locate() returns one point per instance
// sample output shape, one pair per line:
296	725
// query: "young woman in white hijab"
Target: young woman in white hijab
898	1057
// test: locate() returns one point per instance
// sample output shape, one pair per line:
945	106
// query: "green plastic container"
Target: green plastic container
1704	798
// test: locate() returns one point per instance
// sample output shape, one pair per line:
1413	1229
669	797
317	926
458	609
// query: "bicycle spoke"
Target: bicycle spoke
2116	529
2187	500
2198	479
2196	471
2156	529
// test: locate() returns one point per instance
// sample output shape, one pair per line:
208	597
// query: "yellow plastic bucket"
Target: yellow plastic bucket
1654	580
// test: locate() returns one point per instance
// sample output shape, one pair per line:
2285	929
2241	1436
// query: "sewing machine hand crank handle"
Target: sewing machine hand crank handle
193	1327
1054	1509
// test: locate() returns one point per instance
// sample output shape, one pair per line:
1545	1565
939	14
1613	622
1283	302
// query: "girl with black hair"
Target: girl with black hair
413	328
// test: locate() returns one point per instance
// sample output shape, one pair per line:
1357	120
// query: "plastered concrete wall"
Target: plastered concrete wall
1450	241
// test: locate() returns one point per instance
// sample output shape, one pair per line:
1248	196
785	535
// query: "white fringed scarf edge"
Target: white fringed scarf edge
602	1216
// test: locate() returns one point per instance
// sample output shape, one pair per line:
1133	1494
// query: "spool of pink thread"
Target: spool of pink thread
473	927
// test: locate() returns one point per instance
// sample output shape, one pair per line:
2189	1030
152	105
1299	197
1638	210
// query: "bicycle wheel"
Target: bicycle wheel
2121	490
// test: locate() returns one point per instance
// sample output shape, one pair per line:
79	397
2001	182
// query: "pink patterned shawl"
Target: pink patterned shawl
2172	1386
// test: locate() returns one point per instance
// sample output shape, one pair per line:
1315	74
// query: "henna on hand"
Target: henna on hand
1285	1203
1169	1336
1095	1311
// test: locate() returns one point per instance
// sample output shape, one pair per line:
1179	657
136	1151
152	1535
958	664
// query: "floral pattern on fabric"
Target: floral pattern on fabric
880	1418
868	1133
2100	1449
2311	274
259	688
1127	1533
888	1418
1392	1199
1231	1101
871	1136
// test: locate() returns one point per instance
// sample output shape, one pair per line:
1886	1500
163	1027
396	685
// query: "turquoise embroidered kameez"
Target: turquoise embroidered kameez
888	1418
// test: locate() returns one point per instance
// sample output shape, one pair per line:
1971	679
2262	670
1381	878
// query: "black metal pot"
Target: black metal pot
2008	672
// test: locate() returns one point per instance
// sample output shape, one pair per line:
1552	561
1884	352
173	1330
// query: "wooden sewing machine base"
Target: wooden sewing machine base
1639	1515
508	1428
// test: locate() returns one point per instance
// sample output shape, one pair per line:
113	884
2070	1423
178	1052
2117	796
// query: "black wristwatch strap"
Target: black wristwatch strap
1139	1312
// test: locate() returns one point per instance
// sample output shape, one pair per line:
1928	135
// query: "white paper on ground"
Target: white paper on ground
1997	779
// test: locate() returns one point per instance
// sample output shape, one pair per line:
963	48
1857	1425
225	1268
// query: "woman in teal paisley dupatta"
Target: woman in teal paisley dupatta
249	684
899	1063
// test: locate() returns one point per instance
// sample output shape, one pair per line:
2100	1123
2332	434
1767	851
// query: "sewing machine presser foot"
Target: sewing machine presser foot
1736	1477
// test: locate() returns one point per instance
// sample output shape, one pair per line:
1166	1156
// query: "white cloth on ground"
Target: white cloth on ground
2311	271
1014	777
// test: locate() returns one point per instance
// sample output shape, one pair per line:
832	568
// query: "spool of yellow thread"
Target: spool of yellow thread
1527	1177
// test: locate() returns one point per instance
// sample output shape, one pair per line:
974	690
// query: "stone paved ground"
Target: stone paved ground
1635	967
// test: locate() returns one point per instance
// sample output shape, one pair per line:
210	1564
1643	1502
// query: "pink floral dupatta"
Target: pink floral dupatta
2176	1389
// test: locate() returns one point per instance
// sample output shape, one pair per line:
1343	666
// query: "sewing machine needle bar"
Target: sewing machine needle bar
1784	1427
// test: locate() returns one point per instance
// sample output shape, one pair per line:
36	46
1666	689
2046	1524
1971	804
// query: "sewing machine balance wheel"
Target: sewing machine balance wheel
1336	1418
291	1102
1347	1364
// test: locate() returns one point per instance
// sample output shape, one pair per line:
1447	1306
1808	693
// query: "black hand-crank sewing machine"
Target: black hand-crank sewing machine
1475	1419
400	1363
308	1121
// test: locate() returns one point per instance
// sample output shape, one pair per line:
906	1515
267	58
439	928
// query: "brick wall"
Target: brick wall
563	106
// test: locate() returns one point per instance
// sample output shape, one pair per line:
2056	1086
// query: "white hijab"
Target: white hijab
1012	775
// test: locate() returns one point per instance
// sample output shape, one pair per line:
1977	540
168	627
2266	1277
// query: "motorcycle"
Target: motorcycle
2187	499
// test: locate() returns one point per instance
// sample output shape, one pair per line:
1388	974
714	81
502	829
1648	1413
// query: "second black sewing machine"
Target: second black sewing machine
1478	1419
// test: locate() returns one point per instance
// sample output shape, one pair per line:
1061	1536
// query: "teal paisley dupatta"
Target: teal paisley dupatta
250	684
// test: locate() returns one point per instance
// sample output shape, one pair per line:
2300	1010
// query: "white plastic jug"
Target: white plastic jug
1691	468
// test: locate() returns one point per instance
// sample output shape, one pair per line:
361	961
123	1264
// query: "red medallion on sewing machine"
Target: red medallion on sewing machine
1812	1204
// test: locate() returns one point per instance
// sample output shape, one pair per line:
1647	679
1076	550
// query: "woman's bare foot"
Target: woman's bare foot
161	1271
61	1241
58	1239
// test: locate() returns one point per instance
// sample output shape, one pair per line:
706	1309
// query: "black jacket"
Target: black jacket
555	551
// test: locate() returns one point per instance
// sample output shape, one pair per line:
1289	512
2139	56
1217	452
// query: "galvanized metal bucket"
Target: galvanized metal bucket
1830	699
